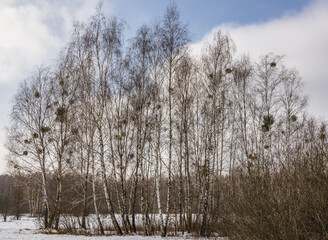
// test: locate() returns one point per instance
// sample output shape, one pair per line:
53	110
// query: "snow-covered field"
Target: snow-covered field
27	229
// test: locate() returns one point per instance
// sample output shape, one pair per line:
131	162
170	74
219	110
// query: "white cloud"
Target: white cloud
23	41
33	32
302	37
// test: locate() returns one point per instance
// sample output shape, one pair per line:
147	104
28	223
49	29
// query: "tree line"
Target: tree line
199	144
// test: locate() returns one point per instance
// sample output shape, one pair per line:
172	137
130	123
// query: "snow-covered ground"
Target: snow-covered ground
27	229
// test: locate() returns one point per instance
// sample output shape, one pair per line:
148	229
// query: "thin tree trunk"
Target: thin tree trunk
100	225
105	184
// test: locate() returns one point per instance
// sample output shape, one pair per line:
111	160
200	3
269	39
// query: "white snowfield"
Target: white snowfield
27	229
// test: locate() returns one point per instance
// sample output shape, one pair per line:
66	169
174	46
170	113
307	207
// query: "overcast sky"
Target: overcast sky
34	31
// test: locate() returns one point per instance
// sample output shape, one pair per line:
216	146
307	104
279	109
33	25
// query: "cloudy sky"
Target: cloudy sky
34	31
